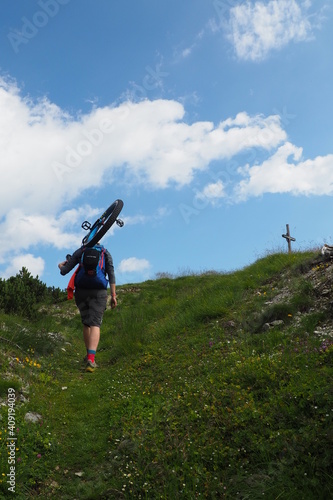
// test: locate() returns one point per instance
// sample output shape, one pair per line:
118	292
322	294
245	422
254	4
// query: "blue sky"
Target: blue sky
210	119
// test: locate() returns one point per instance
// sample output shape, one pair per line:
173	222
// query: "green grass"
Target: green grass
192	398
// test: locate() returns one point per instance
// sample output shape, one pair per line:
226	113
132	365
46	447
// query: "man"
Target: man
91	293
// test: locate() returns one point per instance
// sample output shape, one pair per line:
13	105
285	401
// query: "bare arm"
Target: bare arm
113	295
112	280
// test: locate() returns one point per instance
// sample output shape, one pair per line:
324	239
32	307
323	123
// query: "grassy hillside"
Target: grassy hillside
208	386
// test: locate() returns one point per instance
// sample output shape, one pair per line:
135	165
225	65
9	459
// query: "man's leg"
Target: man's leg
94	336
92	304
91	335
86	335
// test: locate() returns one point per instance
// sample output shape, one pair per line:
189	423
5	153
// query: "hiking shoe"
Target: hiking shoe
85	361
90	366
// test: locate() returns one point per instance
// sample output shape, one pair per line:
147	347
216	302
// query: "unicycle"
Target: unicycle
103	224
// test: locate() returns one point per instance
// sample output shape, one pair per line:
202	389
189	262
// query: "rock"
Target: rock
32	417
277	322
266	327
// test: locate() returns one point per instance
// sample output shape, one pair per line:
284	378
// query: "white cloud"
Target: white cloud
35	265
48	157
257	28
212	192
21	231
287	172
187	52
132	264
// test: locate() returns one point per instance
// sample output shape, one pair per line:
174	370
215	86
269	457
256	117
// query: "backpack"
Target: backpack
91	271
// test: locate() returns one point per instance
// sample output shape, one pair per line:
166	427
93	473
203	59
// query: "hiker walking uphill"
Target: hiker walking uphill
91	280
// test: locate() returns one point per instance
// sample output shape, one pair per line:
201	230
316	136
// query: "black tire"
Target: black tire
110	215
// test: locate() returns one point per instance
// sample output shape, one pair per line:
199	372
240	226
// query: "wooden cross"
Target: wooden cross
288	238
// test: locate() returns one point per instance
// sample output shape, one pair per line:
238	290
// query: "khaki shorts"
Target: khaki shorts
91	304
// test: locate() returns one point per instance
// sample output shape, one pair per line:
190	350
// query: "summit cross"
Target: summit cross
288	238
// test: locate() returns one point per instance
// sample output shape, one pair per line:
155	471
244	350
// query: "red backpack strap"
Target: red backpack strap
101	260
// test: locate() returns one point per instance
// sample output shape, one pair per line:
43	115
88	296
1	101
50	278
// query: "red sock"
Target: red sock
91	355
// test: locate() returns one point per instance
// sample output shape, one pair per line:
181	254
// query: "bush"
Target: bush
22	293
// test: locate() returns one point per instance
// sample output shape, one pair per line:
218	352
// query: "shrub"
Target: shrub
22	293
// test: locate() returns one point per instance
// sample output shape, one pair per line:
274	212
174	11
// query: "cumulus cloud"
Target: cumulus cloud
257	28
132	264
287	172
22	231
35	265
48	157
212	192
